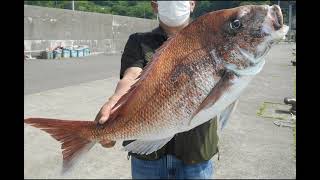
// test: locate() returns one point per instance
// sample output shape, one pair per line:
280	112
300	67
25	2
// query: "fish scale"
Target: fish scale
170	109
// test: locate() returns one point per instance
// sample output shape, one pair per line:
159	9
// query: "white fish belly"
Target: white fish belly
229	96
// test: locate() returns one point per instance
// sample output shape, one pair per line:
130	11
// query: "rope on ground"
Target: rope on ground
286	123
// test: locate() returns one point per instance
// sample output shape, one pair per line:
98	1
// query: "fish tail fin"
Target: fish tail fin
68	134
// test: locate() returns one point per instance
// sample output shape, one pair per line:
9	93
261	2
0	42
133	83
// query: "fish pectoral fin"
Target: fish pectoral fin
225	114
218	91
146	146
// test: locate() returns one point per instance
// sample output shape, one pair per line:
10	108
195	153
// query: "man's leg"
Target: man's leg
144	169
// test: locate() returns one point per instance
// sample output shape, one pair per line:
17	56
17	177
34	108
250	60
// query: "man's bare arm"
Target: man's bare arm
129	78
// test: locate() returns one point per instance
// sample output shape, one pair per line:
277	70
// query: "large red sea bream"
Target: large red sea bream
196	75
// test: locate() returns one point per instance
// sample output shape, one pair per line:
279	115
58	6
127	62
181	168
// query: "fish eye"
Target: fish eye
235	24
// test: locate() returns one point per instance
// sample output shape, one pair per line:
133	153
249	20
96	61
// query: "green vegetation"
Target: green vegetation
262	109
241	3
140	9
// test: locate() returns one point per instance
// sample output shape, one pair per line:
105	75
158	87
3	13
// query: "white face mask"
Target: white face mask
174	13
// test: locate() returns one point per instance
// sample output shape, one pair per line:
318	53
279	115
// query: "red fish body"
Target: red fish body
196	75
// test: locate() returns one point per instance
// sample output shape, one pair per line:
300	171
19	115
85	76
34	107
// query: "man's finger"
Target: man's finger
103	119
107	144
97	117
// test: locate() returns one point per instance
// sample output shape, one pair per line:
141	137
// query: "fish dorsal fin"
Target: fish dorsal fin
146	146
146	70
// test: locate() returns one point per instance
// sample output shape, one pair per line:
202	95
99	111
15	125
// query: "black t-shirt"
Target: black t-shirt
193	146
140	48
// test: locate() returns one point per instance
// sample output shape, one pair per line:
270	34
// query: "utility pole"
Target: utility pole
72	5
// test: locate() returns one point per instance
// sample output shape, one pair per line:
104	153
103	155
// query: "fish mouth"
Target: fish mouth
264	47
276	16
273	30
273	26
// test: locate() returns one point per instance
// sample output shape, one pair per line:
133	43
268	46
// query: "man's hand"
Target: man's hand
129	78
105	111
103	116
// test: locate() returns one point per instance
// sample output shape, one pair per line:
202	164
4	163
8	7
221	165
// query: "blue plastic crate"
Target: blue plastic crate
80	52
86	51
73	53
47	55
57	54
66	53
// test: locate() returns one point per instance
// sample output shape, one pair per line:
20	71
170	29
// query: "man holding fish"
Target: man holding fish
179	85
188	154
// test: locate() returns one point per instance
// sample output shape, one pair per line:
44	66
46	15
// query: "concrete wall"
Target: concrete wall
50	27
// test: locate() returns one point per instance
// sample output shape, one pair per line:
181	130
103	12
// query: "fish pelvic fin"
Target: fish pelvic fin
68	134
226	114
146	146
